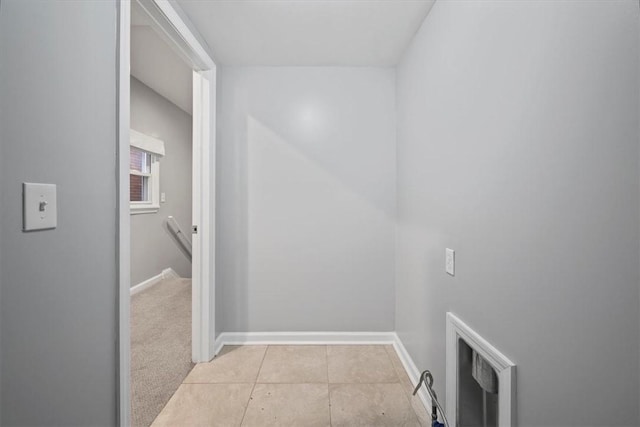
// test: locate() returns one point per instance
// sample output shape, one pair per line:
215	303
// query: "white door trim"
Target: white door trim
203	301
123	249
181	34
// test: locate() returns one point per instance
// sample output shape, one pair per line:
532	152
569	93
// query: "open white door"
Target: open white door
203	233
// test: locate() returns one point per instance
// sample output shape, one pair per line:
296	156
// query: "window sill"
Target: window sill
146	209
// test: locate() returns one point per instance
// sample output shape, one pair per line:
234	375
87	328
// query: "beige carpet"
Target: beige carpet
160	346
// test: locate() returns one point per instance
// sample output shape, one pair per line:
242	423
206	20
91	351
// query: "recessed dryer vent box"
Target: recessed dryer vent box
480	392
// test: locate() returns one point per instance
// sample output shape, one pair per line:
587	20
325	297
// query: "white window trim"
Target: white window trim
146	143
155	147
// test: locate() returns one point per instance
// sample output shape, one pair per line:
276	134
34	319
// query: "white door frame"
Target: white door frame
203	296
180	33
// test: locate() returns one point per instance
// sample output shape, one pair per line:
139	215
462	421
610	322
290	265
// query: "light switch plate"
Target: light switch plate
39	207
450	261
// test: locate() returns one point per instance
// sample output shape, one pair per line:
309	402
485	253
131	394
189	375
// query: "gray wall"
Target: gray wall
58	125
518	148
153	248
306	199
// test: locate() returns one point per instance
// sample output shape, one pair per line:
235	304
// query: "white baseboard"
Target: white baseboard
328	338
302	338
167	273
412	371
217	345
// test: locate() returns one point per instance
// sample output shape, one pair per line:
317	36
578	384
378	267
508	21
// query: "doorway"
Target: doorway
173	27
161	201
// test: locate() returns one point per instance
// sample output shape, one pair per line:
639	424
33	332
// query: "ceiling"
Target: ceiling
307	32
156	65
276	33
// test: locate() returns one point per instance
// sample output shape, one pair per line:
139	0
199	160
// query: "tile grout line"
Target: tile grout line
386	350
396	370
326	353
295	383
408	394
244	414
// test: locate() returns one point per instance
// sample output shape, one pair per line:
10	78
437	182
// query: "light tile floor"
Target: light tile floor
303	385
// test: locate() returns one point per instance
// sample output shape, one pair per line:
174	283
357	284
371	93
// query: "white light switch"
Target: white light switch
39	207
163	197
450	261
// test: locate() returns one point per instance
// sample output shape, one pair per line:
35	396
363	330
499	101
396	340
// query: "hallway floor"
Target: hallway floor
160	346
304	385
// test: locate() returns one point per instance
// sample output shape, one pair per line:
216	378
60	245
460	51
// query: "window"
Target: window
139	175
144	173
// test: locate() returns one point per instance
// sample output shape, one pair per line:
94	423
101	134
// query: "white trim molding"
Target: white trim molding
189	43
203	220
413	372
155	148
152	205
505	369
167	273
303	338
176	25
146	142
123	221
